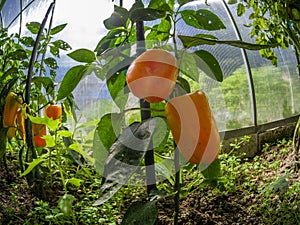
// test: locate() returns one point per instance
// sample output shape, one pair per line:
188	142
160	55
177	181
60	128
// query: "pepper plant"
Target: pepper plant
29	69
122	150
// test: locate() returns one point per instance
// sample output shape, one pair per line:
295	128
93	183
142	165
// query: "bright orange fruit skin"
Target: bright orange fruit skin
193	127
38	131
53	111
152	75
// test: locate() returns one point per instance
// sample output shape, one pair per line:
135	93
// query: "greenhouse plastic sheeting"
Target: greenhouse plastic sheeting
253	91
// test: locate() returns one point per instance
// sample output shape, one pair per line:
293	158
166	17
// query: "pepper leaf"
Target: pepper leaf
82	55
109	128
188	65
46	82
191	41
58	29
209	64
116	86
141	213
124	157
139	13
202	19
33	27
182	2
117	19
240	9
19	54
70	81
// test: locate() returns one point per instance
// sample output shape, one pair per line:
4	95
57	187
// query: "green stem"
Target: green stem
177	185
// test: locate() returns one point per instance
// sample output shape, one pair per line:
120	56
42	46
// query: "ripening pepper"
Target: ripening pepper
12	104
193	127
53	111
11	132
38	130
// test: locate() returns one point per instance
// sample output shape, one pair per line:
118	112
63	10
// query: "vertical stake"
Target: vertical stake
146	114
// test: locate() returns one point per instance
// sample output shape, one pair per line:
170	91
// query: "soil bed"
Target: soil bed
262	190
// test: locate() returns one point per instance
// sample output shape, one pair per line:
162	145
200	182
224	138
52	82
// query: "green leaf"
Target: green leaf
27	41
231	2
109	128
137	5
116	85
46	82
82	55
241	9
50	142
75	181
64	133
19	54
58	29
54	50
161	31
33	27
146	14
117	19
60	44
184	84
182	2
141	213
209	65
51	62
280	185
161	133
104	44
77	148
202	19
99	153
158	4
70	81
5	90
124	157
182	87
65	204
165	168
32	165
191	41
188	65
50	123
2	3
10	71
211	172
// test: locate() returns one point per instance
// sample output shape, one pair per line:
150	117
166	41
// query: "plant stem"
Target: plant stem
177	185
21	18
146	114
176	154
31	153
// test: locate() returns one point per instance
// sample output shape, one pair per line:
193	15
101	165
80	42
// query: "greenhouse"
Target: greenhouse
86	146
